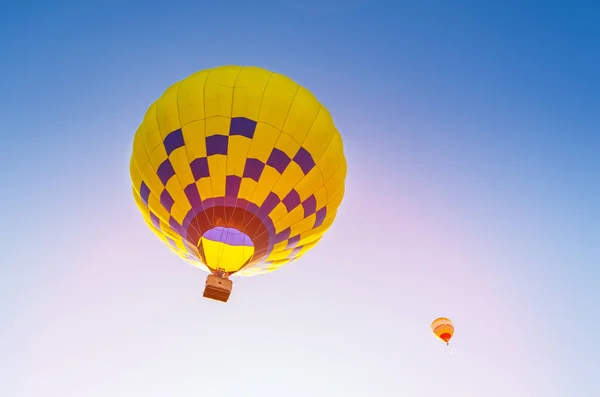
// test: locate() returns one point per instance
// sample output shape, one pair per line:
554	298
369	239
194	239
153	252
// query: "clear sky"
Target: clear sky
472	133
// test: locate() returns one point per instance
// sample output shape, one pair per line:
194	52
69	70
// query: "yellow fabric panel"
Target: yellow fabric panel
306	228
247	253
267	179
191	98
312	235
289	219
157	209
167	231
276	265
304	225
247	188
136	176
287	144
280	246
204	186
195	139
277	100
310	183
217	166
181	166
224	256
155	231
291	177
301	115
249	88
278	212
140	204
236	155
136	172
279	255
178	214
149	131
308	246
218	91
299	254
329	220
320	135
321	196
167	112
178	195
139	155
156	187
264	139
332	157
335	184
158	156
217	125
180	245
151	180
335	202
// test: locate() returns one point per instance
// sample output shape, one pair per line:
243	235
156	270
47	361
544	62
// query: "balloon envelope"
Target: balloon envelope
443	328
238	170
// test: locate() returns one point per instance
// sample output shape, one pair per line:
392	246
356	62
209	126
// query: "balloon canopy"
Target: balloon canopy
443	329
238	170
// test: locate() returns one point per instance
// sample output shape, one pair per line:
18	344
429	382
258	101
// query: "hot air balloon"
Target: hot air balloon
443	329
239	171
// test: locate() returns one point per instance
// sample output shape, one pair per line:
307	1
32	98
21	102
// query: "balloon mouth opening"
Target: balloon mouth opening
226	250
229	236
445	337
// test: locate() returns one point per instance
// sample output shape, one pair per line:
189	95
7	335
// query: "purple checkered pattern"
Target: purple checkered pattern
218	145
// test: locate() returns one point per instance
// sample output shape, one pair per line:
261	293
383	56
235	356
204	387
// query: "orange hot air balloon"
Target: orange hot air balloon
443	329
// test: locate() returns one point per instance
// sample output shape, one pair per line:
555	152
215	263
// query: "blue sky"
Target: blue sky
477	124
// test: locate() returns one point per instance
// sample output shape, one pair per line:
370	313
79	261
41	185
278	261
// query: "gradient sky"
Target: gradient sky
472	133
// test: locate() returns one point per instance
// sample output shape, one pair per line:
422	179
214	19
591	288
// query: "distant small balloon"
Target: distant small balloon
443	329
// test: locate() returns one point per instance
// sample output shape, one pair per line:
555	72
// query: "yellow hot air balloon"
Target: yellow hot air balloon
238	170
443	329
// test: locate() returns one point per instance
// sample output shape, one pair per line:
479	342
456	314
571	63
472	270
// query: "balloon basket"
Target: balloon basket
217	288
